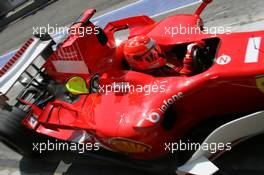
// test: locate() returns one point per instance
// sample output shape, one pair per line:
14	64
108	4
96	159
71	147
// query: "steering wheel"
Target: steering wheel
200	59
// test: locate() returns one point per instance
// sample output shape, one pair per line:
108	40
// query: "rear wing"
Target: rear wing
29	59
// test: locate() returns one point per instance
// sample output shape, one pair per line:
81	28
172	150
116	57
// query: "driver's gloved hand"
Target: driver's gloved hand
188	67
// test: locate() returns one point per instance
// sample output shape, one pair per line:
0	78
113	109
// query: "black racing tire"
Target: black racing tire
15	135
3	16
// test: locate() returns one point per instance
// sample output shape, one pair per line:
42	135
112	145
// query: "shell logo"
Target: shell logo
260	82
129	146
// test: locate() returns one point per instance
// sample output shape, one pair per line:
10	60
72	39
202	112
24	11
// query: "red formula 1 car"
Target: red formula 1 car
84	90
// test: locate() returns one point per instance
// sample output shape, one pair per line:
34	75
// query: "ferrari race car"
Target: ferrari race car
81	89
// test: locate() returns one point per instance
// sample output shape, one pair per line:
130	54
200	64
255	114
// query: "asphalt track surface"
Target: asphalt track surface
241	15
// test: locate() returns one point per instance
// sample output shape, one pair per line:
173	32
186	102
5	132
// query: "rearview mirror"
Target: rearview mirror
86	16
202	7
77	85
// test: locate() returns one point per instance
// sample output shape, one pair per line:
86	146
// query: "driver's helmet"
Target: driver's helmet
142	53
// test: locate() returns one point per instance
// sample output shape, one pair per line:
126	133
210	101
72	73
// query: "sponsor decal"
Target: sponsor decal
252	52
129	146
154	117
167	103
223	60
260	82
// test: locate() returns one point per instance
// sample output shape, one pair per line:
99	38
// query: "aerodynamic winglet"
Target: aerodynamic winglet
201	166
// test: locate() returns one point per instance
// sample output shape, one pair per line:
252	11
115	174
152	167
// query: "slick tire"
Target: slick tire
16	136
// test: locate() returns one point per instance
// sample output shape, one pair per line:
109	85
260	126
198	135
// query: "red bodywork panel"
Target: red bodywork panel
227	87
